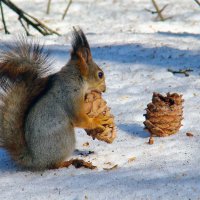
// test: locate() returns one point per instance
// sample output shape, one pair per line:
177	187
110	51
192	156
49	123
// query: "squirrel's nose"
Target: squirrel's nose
104	88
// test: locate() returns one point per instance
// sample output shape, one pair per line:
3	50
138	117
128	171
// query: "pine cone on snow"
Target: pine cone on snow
164	114
95	107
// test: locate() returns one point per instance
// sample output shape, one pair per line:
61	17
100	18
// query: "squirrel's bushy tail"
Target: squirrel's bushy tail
23	66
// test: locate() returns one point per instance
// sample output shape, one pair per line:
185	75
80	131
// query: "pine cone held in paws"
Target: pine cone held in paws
95	107
164	114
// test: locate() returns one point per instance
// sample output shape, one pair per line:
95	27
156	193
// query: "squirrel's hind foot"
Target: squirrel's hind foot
77	163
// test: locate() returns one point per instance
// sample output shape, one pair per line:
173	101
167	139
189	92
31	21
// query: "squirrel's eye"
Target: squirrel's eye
100	75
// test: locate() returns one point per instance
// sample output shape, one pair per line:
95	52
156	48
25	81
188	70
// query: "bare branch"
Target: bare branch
197	2
155	12
30	20
3	19
158	10
65	12
48	7
181	71
27	32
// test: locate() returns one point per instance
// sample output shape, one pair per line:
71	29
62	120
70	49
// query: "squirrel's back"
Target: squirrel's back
22	69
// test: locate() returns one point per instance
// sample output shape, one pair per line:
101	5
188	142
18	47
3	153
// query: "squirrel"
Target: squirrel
38	112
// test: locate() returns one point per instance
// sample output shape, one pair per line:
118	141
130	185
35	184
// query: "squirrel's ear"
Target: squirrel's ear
80	46
81	50
82	64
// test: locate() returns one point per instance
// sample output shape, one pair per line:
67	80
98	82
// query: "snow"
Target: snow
135	50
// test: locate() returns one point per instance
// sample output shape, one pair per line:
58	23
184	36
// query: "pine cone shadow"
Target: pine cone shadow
134	129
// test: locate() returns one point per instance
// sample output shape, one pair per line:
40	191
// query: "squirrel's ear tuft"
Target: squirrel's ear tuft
80	45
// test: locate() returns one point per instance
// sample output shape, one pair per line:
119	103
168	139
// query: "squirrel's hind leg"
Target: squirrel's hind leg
61	165
77	163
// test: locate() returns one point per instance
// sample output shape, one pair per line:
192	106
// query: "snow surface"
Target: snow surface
135	50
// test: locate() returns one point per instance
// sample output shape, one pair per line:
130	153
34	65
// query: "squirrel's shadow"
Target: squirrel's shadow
133	129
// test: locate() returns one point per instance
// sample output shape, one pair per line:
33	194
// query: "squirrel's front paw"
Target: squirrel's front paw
104	121
98	125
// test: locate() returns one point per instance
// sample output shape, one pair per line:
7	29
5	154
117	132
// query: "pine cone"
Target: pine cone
95	107
164	114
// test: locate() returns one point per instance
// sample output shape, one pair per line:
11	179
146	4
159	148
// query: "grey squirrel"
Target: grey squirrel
38	113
